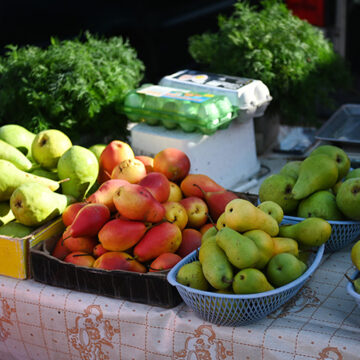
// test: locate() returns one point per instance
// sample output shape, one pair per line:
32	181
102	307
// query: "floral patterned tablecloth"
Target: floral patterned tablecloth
42	322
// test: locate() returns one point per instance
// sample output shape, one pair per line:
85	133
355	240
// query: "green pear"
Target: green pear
97	149
6	215
216	267
17	136
209	233
285	244
251	281
273	209
284	268
278	188
317	172
348	198
240	250
310	232
11	177
15	156
340	157
50	174
291	168
15	229
48	146
81	166
191	275
241	215
336	187
355	254
264	244
33	204
355	173
320	204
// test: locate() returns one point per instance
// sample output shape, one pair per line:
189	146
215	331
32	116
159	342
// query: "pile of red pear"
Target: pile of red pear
146	215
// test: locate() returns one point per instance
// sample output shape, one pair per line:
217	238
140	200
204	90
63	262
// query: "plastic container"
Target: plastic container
350	287
148	288
250	96
343	233
177	108
236	310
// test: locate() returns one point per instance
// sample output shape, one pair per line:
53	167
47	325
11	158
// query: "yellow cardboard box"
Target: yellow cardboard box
14	252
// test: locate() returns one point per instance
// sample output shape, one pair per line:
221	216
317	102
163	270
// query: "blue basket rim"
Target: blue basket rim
331	222
350	288
171	277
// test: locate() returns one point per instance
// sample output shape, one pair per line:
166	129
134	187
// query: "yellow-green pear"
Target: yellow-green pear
251	281
291	168
241	215
11	177
354	173
317	172
311	231
320	204
216	267
355	254
285	244
338	155
209	233
6	215
241	251
48	146
265	245
273	209
15	229
33	204
50	174
15	156
220	223
81	166
348	198
191	275
17	136
284	268
97	149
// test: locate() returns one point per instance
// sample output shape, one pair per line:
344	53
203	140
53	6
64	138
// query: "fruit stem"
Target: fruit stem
349	278
212	221
63	180
76	255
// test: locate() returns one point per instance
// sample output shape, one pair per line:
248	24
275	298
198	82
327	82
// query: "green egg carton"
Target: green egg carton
177	108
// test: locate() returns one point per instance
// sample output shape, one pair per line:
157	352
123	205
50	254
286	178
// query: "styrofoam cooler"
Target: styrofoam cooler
228	156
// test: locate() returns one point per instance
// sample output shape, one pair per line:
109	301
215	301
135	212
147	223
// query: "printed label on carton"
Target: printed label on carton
177	94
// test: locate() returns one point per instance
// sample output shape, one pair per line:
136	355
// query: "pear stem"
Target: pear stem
348	277
212	221
63	180
76	255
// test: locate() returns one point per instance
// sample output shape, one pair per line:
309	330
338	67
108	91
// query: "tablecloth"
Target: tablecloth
42	322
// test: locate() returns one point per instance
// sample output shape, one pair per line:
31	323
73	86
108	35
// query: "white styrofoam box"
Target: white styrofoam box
250	96
228	156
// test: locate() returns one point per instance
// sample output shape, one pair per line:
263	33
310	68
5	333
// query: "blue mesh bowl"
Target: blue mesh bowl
236	310
342	232
350	287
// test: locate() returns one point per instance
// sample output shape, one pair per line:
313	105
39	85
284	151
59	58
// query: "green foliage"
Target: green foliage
71	85
269	43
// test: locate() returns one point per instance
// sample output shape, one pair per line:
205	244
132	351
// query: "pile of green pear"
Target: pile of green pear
321	185
40	175
248	251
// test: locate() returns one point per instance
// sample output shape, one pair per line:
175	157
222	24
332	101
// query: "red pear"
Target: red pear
148	161
164	261
81	243
173	163
196	210
60	250
131	170
88	221
217	201
80	258
191	240
113	154
121	235
118	260
71	211
158	185
98	250
135	202
104	194
204	181
206	227
161	238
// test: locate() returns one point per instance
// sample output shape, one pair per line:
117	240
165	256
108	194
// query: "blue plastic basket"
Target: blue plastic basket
350	287
342	232
236	310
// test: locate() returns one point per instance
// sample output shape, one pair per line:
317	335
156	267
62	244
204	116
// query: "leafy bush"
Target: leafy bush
269	43
71	85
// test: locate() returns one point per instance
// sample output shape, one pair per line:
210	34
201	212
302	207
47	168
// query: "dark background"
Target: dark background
158	30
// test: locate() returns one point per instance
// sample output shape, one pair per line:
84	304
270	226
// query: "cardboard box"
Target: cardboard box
14	252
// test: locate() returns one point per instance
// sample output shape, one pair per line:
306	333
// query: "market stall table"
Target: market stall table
42	322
